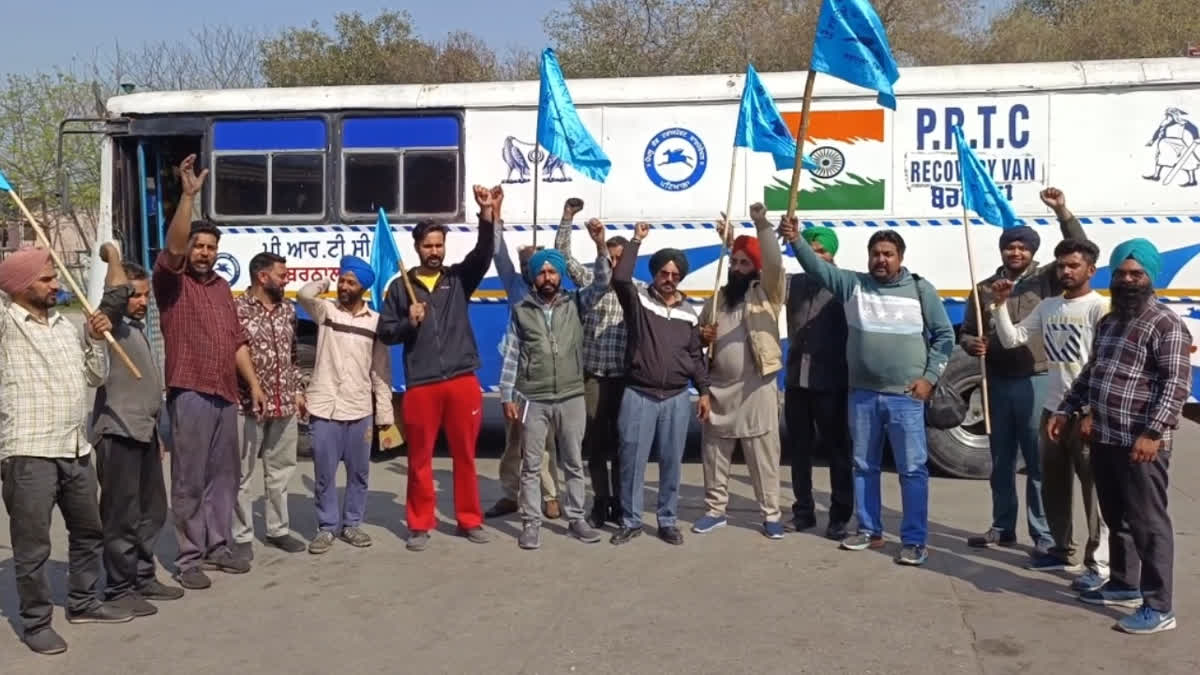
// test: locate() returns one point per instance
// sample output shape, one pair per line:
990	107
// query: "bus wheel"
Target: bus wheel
963	451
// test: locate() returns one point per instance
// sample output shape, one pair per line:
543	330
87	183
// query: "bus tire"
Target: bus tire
963	451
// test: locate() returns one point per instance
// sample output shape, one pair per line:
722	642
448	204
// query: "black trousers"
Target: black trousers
133	507
602	439
1141	540
817	423
31	487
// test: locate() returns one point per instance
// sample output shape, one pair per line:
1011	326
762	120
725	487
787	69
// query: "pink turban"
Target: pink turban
21	268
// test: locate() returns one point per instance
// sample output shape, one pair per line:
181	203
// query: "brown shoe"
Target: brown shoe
551	509
502	508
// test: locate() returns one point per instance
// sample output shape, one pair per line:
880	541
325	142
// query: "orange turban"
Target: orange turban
749	245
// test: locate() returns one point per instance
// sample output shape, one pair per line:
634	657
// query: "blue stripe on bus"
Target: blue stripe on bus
400	132
263	135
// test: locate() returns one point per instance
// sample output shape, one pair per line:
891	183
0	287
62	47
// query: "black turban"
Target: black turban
1024	234
666	255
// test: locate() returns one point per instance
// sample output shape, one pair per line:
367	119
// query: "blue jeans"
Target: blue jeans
1016	404
647	422
902	417
334	443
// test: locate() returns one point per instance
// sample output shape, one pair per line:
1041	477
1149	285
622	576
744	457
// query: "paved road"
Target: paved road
727	602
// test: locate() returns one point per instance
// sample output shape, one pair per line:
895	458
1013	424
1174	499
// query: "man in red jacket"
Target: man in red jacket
440	360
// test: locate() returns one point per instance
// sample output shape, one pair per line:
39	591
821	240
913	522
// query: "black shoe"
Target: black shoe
287	543
106	612
836	530
154	590
623	535
503	507
803	521
225	561
45	641
194	579
671	535
615	513
599	514
136	605
244	550
993	537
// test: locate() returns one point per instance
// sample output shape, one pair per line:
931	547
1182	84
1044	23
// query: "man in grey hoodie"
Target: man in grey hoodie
899	340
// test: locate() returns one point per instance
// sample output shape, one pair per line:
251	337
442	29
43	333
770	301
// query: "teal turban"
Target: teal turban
547	255
1142	251
825	235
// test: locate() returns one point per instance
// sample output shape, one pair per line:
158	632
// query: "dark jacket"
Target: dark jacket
1035	285
662	347
443	345
817	337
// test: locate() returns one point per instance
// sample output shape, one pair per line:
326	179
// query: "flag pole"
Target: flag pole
66	274
987	415
537	155
794	189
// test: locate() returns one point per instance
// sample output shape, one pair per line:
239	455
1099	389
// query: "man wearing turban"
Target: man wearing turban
664	355
1135	386
514	279
815	395
1017	387
741	331
350	391
45	457
541	387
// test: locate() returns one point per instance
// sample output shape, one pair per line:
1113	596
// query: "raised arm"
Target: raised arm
180	230
839	282
601	274
774	281
1172	357
622	275
580	275
1057	201
475	265
309	297
505	269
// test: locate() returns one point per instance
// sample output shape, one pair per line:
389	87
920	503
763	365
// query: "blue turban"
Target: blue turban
1141	251
360	268
546	255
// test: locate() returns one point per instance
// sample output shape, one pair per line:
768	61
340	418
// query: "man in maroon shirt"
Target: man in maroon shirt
206	350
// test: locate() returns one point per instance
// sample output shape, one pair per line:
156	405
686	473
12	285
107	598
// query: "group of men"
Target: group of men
603	371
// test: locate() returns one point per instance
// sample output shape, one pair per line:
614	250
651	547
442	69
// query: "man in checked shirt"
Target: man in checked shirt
603	368
1136	384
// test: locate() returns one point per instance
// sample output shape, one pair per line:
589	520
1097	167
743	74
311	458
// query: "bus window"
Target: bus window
268	169
408	166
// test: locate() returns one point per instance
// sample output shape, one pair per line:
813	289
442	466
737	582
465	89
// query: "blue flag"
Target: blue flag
385	260
4	185
852	46
761	128
559	129
979	192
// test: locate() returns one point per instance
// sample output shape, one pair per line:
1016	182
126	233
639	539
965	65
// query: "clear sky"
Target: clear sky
42	34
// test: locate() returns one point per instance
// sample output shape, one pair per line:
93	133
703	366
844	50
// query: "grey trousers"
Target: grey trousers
204	474
510	464
567	420
274	440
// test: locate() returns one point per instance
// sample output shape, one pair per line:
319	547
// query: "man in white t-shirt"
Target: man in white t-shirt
1065	324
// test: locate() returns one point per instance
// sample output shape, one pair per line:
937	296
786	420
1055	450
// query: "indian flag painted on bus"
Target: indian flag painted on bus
852	163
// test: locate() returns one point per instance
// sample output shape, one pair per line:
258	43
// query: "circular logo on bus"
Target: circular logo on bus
675	159
227	266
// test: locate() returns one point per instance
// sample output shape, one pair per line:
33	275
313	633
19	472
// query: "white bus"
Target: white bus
302	172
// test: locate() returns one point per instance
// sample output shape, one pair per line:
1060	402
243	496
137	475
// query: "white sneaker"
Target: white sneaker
1089	581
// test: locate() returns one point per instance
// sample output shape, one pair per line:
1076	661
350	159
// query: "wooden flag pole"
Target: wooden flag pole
537	155
794	189
728	227
987	414
66	274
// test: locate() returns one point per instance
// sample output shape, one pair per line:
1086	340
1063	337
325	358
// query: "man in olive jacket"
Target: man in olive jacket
1016	381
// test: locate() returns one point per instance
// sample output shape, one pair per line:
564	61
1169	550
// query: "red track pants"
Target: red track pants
455	405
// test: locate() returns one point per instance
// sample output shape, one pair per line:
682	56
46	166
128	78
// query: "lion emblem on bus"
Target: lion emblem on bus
517	155
1175	144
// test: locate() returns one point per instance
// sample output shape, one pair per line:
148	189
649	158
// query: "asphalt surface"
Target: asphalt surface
727	602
